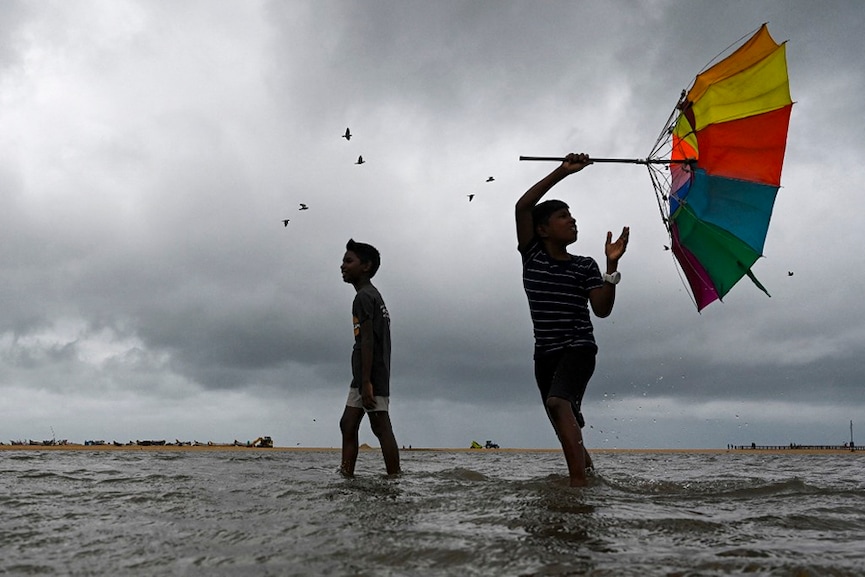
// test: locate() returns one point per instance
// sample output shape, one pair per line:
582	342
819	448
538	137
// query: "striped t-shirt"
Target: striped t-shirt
558	293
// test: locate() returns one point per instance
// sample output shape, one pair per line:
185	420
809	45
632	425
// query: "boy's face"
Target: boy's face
560	228
353	270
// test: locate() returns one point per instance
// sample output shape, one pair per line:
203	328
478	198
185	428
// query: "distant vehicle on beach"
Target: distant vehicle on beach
489	445
263	442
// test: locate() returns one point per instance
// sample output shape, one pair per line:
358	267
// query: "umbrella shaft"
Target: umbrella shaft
613	160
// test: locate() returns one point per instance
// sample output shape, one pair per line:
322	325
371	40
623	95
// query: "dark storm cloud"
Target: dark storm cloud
151	154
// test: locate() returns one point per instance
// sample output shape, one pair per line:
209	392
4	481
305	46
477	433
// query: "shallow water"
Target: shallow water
449	513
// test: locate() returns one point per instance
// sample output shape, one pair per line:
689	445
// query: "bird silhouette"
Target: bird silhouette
490	179
471	196
285	222
303	207
666	247
789	273
347	134
360	160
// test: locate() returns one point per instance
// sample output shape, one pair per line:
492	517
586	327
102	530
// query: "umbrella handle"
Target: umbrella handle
616	160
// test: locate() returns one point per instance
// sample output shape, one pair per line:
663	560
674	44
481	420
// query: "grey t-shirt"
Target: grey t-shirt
368	305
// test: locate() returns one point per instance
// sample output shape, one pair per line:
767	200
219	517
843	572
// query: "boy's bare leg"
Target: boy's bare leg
382	429
349	424
571	438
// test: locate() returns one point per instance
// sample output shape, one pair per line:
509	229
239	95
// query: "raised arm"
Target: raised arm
602	299
525	227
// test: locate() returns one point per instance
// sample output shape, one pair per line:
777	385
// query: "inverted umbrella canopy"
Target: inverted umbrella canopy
728	144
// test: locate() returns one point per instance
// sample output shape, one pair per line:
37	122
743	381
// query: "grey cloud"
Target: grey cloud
149	221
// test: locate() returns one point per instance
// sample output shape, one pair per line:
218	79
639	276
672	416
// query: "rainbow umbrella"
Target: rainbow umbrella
732	124
725	144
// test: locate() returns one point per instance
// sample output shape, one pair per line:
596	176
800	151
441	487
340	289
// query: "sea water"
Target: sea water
485	512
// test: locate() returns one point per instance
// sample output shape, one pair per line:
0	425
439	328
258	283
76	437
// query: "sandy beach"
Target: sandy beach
216	447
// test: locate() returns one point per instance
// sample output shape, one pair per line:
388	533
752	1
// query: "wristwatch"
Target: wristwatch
613	278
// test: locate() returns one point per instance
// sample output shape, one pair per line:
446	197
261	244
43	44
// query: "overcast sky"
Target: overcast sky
149	152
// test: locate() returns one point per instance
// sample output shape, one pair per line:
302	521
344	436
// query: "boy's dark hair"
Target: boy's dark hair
366	253
541	212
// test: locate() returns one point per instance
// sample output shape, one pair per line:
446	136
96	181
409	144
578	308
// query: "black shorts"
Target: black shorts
565	374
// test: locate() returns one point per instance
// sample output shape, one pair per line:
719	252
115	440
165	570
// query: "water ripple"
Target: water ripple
212	513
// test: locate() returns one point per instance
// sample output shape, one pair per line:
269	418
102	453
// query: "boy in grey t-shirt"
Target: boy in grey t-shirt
369	392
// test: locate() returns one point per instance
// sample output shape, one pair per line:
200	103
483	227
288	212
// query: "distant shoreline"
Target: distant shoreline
236	448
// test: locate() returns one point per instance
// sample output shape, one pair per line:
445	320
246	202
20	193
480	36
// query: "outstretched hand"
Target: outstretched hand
615	250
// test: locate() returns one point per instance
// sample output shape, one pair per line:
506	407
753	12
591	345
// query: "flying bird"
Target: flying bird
360	160
347	134
285	222
490	179
303	207
471	196
789	273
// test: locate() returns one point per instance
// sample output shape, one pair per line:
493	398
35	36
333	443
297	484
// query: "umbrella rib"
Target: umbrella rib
660	181
714	60
682	279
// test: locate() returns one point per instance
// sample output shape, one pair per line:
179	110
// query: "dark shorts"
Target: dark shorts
565	374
